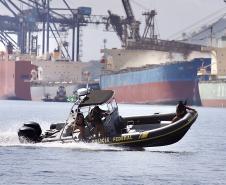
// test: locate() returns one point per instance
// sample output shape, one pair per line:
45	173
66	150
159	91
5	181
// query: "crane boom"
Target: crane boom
128	10
130	20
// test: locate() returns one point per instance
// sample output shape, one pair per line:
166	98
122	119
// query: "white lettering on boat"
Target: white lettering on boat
101	140
143	135
122	138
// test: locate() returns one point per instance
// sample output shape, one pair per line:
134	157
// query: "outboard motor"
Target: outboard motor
30	132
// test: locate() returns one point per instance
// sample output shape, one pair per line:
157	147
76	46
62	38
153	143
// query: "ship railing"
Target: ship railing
163	45
213	79
147	66
52	83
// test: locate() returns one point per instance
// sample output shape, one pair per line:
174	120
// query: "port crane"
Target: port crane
51	22
126	28
128	31
41	17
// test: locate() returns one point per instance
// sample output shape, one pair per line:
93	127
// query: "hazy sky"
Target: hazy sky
173	16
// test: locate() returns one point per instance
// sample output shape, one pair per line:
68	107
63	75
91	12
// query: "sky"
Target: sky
173	16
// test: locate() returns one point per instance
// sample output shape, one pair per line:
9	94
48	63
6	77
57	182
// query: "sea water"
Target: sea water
199	158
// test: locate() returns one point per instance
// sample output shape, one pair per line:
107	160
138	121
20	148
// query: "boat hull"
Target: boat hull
159	136
213	93
162	84
14	80
165	136
158	93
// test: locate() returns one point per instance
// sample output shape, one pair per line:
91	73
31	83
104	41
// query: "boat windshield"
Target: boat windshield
109	106
112	105
84	106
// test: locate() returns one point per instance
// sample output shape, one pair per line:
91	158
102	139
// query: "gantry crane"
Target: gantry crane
126	28
25	22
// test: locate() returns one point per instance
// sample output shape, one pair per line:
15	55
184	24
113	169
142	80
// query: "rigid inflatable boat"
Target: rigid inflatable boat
136	131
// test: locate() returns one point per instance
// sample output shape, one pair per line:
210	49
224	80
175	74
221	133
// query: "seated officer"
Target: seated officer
181	110
79	123
96	116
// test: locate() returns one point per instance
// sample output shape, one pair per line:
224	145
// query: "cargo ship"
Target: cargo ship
212	78
212	83
157	83
150	70
24	77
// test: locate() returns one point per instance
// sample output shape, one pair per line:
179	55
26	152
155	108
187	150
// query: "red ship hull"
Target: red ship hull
157	93
214	103
14	80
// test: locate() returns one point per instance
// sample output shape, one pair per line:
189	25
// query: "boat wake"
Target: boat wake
10	139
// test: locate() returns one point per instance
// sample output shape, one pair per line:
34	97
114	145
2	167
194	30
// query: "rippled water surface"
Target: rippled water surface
199	158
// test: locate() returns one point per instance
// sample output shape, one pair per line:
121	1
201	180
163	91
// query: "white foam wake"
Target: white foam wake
10	138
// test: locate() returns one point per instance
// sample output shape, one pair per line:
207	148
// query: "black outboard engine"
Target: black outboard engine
30	132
